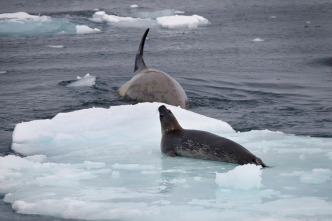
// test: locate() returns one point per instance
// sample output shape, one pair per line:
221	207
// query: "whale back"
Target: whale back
156	86
150	85
139	61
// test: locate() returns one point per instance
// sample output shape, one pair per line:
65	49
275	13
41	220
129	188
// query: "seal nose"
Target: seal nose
162	108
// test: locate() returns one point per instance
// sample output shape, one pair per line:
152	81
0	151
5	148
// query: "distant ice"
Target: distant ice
167	18
134	6
179	12
182	21
3	72
86	81
153	14
257	40
22	23
56	46
83	29
101	16
19	15
106	164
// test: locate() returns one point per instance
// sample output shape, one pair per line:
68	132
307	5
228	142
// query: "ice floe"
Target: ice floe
22	23
257	40
244	177
167	18
83	29
106	163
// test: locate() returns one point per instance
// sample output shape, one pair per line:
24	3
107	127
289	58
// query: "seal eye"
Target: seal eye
169	111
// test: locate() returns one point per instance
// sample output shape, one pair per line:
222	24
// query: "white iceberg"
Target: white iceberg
257	40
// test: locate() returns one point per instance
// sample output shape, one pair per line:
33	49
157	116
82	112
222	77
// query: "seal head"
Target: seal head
168	121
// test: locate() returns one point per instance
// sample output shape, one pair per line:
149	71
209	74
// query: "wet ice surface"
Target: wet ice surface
106	164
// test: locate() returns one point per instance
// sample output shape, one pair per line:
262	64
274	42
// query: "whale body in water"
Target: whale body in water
150	85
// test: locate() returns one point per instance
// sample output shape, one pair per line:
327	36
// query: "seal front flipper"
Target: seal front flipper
139	61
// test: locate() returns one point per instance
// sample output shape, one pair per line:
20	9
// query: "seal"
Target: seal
177	141
148	85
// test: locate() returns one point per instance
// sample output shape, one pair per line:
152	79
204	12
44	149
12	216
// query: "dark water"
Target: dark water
283	83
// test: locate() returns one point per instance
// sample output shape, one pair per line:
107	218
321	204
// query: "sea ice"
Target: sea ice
257	40
317	176
153	14
104	164
56	46
18	15
22	23
329	154
182	21
86	81
166	18
244	177
101	16
83	29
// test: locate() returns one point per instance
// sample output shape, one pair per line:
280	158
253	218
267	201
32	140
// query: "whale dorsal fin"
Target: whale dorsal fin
139	61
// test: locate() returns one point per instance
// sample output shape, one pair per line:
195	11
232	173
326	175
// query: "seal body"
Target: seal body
177	141
152	85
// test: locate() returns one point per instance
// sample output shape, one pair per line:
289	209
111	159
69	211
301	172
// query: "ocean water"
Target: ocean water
256	65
